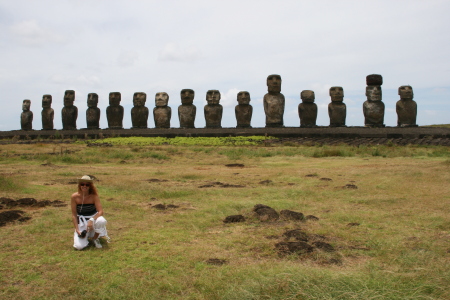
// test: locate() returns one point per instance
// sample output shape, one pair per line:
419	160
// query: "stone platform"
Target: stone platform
410	133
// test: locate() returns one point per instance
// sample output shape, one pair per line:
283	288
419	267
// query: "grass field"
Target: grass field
383	209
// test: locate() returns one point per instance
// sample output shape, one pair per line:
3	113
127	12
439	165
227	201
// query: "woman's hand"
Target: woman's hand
90	226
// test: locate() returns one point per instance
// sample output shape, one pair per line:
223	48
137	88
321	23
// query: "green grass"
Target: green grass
399	250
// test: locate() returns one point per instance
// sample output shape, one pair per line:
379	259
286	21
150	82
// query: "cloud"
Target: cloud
127	58
229	98
172	52
75	80
30	33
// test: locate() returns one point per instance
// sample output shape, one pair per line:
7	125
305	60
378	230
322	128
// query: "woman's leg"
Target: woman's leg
80	243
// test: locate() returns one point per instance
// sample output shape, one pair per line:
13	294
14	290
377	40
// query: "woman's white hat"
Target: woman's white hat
86	178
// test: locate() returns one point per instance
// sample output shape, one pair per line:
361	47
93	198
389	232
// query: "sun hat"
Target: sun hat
86	178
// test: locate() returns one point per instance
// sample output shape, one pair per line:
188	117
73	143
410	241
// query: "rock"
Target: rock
324	246
311	218
292	215
234	219
293	247
297	234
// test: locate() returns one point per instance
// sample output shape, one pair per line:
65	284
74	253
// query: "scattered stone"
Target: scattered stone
350	186
291	183
266	181
296	234
271	237
220	184
311	175
216	261
326	179
234	219
324	246
293	247
11	216
234	165
265	213
353	224
24	202
311	218
156	180
292	215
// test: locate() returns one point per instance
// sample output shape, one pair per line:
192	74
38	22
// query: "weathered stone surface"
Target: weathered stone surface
373	108
307	110
337	110
93	112
26	117
47	114
406	107
162	113
374	79
274	102
69	112
243	110
187	111
114	112
139	113
213	110
265	213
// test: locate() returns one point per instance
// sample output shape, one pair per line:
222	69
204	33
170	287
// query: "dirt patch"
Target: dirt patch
326	179
156	180
11	216
220	184
234	165
353	224
311	218
30	202
268	181
296	234
311	175
161	206
350	186
234	219
216	261
284	248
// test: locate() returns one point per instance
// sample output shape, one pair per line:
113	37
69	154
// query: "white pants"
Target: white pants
99	227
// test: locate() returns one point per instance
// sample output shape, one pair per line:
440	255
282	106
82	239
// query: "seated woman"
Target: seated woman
87	215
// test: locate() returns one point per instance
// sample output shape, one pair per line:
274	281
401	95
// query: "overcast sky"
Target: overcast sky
47	47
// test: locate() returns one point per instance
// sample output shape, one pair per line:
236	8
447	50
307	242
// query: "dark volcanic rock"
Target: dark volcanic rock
293	247
296	234
265	213
216	261
11	216
312	218
324	246
292	215
234	219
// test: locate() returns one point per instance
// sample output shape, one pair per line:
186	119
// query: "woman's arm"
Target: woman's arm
99	213
73	205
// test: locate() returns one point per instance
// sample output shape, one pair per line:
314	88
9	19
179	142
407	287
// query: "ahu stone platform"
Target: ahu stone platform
409	133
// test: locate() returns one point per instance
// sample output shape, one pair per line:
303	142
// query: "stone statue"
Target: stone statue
406	107
373	108
162	113
213	110
274	102
93	112
114	112
69	113
139	113
243	110
47	113
307	110
337	110
26	117
187	111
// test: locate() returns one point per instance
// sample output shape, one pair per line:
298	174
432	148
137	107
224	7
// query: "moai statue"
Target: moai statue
187	110
307	110
139	113
114	112
69	112
337	110
47	113
26	117
162	113
93	112
213	110
274	102
406	107
243	110
373	108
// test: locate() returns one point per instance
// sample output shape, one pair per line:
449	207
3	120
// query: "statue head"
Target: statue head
243	98
46	101
139	99
373	93
406	92
213	97
92	100
374	79
337	94
114	98
161	99
26	105
274	83
69	97
187	96
307	96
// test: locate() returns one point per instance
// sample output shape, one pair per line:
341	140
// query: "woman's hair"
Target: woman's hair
92	188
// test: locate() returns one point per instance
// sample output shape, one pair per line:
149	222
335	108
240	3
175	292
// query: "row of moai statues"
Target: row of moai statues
274	106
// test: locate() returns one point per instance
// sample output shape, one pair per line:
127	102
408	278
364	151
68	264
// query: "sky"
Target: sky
103	46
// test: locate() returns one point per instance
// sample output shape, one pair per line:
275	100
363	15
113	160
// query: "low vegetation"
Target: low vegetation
382	209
